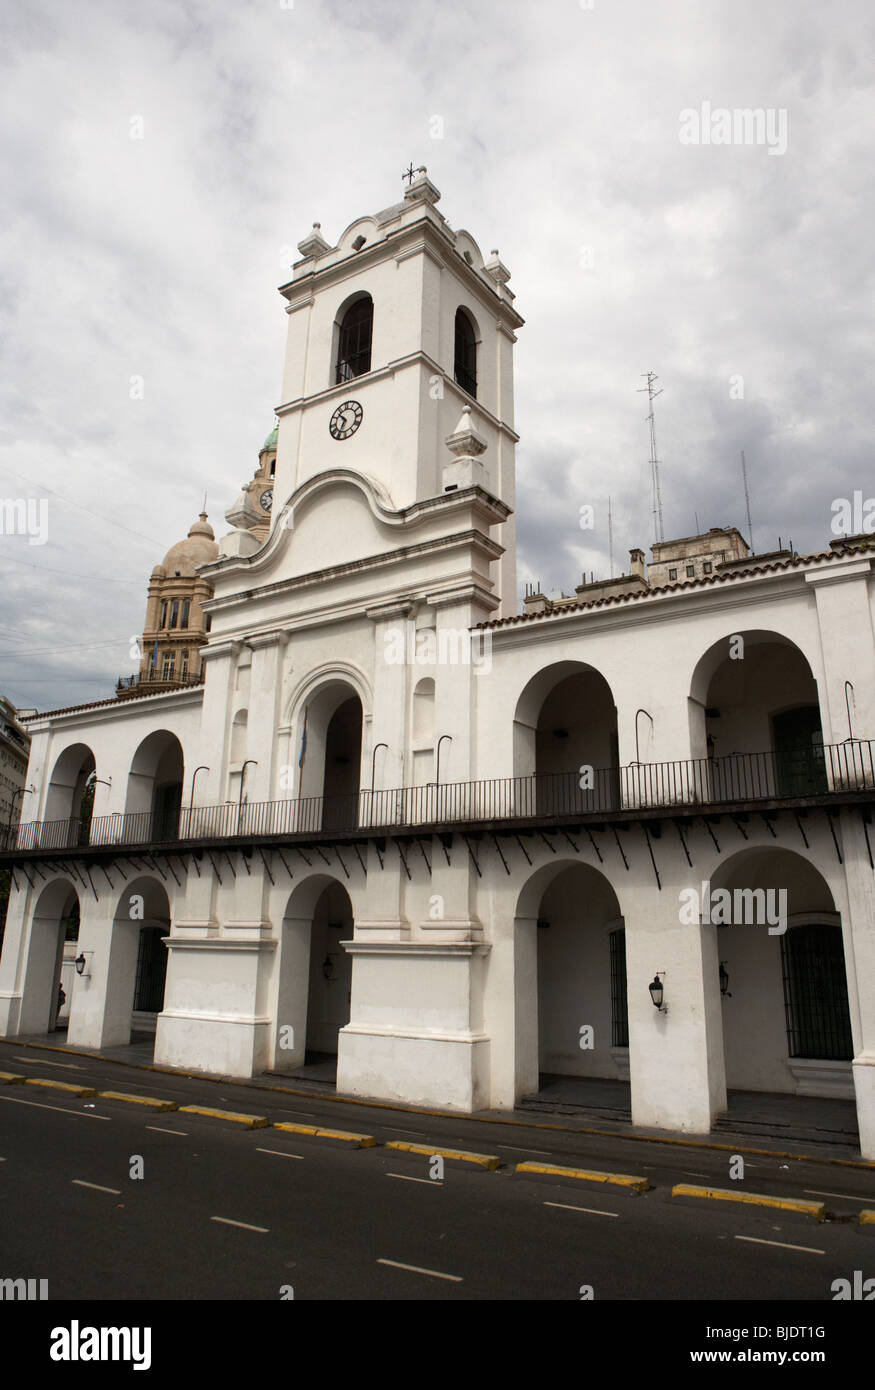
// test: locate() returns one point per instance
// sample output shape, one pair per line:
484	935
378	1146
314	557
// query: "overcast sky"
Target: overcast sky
741	274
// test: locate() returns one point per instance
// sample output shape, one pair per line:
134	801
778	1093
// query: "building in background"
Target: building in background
14	753
176	627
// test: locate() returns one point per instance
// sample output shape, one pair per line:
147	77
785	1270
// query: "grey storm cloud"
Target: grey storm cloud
557	140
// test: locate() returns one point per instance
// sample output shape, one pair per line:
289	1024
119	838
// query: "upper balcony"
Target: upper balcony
153	682
830	774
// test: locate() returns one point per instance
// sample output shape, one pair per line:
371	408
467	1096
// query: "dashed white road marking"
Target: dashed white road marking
405	1177
40	1062
80	1182
849	1196
38	1105
416	1269
280	1153
158	1130
755	1240
517	1150
244	1225
419	1132
593	1211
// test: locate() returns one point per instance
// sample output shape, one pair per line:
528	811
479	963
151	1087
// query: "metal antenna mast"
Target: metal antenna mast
747	504
654	461
610	539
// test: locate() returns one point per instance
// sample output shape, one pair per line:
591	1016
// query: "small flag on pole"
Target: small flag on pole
303	740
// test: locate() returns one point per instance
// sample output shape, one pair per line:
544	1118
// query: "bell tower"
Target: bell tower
399	363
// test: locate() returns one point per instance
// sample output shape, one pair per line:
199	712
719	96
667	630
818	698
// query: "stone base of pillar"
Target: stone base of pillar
864	1085
446	1070
222	1044
10	1013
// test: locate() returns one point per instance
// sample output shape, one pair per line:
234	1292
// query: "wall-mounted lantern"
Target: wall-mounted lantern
328	967
82	962
657	991
724	980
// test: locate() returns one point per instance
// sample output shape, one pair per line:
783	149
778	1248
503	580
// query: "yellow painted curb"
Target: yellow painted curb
867	1217
11	1078
160	1106
586	1175
72	1090
363	1141
817	1210
482	1160
517	1123
250	1121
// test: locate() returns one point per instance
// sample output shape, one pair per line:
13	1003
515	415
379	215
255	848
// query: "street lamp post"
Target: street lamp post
254	763
22	792
203	768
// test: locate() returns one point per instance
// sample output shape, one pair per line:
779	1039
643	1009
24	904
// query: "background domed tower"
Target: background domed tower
175	628
251	511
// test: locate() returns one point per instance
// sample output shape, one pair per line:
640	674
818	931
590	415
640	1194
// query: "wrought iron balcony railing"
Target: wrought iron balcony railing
155	677
703	782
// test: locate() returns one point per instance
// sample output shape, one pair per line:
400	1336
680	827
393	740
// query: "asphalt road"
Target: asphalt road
226	1213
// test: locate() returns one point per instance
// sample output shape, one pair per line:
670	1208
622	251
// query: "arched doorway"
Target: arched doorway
787	1020
315	978
571	1004
565	740
755	715
329	759
55	920
70	799
154	792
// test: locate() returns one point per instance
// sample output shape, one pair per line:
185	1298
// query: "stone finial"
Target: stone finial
314	243
496	269
422	190
466	468
244	514
466	441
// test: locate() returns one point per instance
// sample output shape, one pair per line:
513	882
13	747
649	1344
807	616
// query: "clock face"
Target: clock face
345	420
266	499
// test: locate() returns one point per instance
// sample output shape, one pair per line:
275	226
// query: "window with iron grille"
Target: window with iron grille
619	998
354	343
816	993
465	366
167	669
151	971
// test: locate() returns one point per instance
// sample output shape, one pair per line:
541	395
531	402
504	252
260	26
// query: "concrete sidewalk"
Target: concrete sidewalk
779	1123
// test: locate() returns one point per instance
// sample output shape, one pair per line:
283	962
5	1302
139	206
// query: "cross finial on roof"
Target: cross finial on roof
408	174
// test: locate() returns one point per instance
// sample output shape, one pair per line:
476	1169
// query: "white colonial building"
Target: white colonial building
394	820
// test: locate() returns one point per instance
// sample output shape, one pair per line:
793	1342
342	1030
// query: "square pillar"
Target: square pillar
676	1061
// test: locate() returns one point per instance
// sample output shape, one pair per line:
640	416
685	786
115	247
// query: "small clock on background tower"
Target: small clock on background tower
345	420
266	499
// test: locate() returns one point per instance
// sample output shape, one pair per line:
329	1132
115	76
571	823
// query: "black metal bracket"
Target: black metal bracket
500	854
266	866
652	860
683	842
